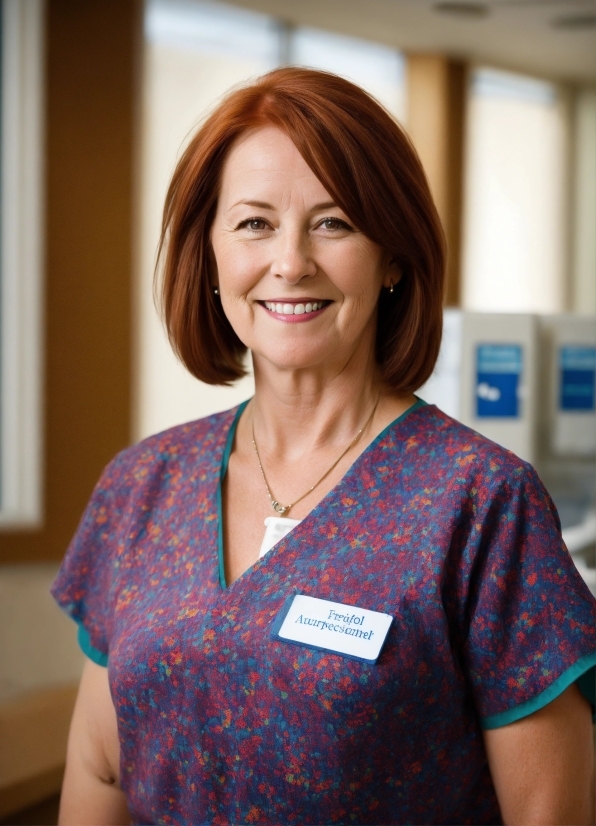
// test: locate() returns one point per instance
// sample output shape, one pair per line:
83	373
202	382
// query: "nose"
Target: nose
292	258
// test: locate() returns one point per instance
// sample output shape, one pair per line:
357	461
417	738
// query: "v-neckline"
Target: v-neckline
224	467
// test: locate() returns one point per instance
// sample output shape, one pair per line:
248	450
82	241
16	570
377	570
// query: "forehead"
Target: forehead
266	157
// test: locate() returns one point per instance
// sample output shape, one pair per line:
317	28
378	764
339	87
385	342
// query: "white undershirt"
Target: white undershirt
276	527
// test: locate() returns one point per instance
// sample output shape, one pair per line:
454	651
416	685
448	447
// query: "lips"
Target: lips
295	308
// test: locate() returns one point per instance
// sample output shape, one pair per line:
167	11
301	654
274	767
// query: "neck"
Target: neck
297	411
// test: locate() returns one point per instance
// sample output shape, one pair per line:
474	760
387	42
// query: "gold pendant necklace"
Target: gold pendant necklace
282	509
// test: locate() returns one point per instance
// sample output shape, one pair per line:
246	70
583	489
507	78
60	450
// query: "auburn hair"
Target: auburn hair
369	167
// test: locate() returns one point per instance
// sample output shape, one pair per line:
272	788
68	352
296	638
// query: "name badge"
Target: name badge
332	626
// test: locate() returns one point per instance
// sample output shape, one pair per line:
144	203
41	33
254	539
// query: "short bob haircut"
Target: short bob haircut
369	167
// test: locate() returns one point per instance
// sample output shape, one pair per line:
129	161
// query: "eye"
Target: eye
331	224
253	224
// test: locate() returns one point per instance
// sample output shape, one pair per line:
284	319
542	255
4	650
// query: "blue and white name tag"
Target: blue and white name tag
332	626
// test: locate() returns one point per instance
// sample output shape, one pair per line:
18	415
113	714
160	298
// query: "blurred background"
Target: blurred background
97	100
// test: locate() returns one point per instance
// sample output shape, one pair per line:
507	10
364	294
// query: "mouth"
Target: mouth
301	309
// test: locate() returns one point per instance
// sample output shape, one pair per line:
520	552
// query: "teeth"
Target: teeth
293	309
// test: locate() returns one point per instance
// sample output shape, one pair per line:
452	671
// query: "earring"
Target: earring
215	291
391	287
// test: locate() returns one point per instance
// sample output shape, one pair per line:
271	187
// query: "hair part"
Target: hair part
367	164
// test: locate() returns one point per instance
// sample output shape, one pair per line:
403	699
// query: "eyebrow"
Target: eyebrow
265	205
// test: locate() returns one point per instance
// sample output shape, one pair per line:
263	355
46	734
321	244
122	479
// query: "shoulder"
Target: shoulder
438	434
458	455
170	451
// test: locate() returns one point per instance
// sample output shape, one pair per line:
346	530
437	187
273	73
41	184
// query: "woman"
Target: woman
409	650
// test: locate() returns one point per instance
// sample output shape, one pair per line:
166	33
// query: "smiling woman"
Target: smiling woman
417	627
357	162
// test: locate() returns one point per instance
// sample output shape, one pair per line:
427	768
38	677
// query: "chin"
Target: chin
297	358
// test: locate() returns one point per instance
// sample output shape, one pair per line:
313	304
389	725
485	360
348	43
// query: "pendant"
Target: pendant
281	509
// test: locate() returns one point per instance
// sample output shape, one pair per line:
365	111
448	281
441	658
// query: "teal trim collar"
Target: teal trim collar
578	671
88	650
224	467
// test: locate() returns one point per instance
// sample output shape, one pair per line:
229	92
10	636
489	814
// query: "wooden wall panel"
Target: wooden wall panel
436	112
92	51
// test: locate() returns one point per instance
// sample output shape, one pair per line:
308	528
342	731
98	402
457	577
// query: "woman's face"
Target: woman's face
298	281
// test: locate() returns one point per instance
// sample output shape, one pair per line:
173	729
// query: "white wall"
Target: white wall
516	211
583	293
38	646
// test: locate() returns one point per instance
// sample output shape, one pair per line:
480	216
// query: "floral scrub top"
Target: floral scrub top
221	723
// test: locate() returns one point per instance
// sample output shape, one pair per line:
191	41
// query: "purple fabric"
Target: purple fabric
219	724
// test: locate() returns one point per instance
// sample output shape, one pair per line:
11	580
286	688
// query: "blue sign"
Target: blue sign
577	369
498	371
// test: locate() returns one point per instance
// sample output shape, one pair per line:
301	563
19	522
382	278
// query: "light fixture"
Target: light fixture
574	22
470	10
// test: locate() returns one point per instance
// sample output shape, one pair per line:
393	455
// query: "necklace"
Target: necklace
282	509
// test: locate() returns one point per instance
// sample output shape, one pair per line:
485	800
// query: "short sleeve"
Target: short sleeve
86	583
531	619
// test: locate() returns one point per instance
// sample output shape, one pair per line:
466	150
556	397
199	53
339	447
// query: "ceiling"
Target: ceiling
547	38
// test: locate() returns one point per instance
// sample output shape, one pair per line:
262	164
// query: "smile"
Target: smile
295	311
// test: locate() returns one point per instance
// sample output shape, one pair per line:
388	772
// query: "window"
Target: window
515	216
21	262
378	69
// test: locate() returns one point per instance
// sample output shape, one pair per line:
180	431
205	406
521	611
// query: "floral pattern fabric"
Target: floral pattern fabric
220	724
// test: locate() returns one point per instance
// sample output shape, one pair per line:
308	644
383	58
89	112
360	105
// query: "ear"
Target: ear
393	273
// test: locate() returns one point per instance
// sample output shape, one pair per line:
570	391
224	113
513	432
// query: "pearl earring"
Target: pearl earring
215	291
391	287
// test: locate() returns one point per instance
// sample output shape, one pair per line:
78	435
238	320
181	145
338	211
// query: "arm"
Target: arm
543	765
91	791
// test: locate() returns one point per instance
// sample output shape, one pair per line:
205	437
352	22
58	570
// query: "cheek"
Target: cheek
358	276
238	269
